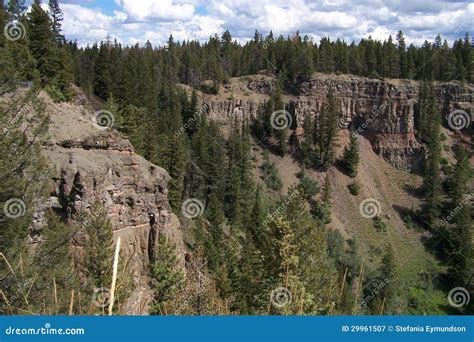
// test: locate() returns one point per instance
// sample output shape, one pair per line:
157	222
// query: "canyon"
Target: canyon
89	163
381	110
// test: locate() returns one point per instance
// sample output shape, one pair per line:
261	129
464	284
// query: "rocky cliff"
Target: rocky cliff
384	111
91	163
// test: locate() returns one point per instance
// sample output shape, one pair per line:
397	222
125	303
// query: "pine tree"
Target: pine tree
280	134
402	55
113	107
98	249
351	156
54	260
459	251
102	80
23	170
256	221
166	277
174	159
57	18
42	44
422	120
386	282
298	259
322	208
16	8
432	179
325	131
251	281
234	174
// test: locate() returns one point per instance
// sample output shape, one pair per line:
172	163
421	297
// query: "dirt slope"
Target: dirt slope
378	180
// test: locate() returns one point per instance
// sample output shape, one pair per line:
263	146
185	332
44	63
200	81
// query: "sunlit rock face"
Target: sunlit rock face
382	110
89	164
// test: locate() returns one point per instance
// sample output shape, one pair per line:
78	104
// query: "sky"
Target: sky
136	21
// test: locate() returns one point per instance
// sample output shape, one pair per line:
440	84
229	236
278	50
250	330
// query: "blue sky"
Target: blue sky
136	21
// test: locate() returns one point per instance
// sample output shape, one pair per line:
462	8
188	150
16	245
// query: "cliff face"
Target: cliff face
381	110
88	164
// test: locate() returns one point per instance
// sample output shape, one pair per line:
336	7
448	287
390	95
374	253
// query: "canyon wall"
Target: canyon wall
88	164
384	111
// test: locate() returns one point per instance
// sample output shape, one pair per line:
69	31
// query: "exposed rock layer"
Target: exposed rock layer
382	110
91	164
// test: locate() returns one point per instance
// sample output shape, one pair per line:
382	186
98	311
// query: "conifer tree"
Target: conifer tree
113	107
432	179
102	80
98	250
387	272
280	134
53	261
351	156
174	160
402	55
57	18
22	169
325	131
166	277
42	44
459	250
322	208
16	8
251	281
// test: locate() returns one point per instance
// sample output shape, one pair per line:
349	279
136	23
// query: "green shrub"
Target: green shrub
379	224
55	94
270	175
354	188
310	187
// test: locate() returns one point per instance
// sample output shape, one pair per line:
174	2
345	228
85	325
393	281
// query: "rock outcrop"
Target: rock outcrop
89	163
384	111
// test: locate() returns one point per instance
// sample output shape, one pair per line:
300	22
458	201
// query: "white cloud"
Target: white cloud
157	9
154	20
87	24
